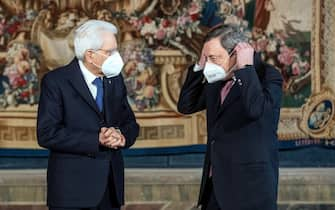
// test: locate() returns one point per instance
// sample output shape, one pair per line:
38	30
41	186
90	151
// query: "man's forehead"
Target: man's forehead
213	42
109	39
109	35
213	46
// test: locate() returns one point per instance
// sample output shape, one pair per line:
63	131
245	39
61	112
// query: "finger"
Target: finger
243	45
123	141
102	139
202	53
251	47
109	132
116	143
110	144
102	142
232	52
248	46
238	48
113	139
116	135
108	140
103	129
204	49
118	130
239	45
105	141
202	59
246	43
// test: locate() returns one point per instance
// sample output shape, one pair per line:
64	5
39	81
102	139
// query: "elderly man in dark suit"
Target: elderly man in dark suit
85	121
242	96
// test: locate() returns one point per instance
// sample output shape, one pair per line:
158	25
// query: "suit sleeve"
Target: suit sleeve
128	126
52	133
192	97
257	97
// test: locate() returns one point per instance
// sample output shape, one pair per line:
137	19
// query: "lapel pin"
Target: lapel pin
234	80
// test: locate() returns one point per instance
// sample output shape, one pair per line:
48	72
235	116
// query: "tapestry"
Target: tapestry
158	40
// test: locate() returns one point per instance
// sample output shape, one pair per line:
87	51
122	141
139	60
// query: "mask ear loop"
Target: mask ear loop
231	69
230	54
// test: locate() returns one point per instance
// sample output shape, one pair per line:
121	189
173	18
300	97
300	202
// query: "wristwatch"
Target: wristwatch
246	66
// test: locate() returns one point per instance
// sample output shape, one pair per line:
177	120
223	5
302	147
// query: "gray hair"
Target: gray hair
89	36
230	36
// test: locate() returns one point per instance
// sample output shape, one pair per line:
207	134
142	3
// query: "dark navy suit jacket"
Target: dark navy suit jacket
68	124
242	139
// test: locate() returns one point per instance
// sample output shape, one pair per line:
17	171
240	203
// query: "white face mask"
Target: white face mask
112	66
214	73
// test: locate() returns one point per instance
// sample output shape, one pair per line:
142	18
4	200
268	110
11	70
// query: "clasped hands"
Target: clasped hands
111	138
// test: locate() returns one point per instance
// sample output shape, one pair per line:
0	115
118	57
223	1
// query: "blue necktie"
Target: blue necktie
100	92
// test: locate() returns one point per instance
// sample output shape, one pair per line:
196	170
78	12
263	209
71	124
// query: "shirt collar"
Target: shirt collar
88	76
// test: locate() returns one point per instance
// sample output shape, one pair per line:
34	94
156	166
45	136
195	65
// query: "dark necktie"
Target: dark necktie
100	92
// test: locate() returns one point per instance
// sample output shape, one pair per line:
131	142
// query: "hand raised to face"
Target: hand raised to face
244	55
203	58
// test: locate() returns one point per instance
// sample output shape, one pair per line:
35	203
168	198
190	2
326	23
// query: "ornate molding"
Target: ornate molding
172	63
174	57
328	44
288	127
296	123
201	127
18	132
316	46
318	115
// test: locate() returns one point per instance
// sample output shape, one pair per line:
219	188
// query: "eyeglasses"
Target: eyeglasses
216	58
106	52
110	51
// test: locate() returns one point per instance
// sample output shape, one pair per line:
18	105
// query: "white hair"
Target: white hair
89	36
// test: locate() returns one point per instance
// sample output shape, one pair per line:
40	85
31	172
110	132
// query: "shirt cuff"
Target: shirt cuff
197	68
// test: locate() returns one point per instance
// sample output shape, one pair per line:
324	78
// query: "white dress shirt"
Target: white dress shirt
89	78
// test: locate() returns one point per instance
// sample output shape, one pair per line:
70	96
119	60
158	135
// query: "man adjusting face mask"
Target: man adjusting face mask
242	108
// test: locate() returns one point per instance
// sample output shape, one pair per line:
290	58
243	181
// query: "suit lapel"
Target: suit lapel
78	83
111	99
215	89
235	91
108	86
